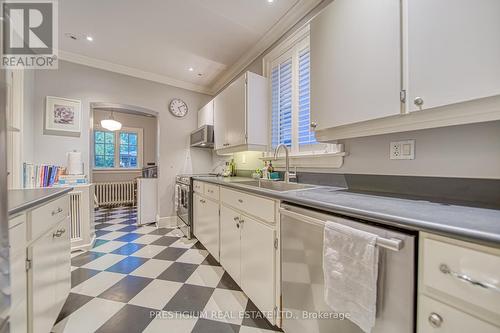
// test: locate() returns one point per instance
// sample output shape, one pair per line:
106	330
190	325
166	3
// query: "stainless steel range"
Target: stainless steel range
183	202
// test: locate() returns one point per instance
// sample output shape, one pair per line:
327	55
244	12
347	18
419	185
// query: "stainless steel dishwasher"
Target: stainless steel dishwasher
303	305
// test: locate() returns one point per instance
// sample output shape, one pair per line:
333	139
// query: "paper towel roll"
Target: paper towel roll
75	164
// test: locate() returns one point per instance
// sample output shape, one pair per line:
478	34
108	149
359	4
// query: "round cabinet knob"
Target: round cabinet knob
435	320
314	124
419	101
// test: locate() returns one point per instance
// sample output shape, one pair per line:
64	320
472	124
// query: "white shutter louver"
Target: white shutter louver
306	136
281	85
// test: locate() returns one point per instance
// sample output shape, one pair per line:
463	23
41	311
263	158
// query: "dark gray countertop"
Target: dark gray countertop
468	223
21	200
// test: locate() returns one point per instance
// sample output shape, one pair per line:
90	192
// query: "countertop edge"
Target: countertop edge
483	238
39	201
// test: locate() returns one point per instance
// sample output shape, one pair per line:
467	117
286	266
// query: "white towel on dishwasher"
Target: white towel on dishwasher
350	268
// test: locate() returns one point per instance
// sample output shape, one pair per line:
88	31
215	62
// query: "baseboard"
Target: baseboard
167	222
84	247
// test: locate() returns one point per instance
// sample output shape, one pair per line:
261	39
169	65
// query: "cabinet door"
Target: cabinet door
42	277
206	114
258	263
62	246
355	62
229	116
17	261
206	218
198	207
210	215
453	51
230	242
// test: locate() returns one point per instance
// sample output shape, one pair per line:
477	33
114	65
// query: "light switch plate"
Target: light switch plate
402	150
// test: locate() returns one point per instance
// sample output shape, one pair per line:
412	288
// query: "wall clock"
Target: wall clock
178	107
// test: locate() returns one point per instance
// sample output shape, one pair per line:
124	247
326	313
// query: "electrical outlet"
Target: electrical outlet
402	150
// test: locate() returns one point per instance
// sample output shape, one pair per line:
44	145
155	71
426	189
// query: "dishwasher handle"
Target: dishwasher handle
393	244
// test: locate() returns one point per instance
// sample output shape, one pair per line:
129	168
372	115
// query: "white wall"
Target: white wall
94	85
28	115
469	151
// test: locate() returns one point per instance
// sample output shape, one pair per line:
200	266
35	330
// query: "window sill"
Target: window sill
311	160
115	170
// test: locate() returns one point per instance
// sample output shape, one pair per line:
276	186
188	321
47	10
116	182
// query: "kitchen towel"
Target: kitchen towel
350	268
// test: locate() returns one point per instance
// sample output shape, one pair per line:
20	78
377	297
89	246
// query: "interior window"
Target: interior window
128	150
104	149
118	149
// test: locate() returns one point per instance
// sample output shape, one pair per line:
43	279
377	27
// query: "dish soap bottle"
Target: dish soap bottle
264	171
233	168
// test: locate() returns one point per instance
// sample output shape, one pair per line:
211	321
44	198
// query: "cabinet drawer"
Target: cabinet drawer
251	204
46	216
212	191
436	317
198	187
17	235
446	267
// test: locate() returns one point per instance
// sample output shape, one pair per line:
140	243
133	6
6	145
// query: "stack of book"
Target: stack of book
72	180
42	175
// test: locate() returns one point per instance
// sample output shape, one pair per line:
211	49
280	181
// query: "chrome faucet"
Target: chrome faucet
288	175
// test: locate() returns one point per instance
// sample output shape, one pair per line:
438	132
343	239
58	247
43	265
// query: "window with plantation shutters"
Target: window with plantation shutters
288	68
306	136
281	83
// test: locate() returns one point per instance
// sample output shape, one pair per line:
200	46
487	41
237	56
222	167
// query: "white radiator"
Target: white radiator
115	193
75	214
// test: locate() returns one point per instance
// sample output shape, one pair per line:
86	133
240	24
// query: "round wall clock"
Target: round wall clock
178	107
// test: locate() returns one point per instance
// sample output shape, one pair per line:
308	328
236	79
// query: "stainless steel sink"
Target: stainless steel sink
276	185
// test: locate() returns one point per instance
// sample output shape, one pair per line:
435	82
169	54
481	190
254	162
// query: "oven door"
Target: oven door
183	206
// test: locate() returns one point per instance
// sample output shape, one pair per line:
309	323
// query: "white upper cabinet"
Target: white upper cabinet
453	51
206	114
241	116
355	62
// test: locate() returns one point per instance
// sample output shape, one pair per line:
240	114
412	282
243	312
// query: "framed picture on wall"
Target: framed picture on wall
63	116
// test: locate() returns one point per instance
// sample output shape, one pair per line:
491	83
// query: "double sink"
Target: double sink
278	186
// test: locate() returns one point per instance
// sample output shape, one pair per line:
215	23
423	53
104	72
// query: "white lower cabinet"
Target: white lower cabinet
230	242
437	317
247	253
246	227
17	261
458	286
206	220
49	278
258	263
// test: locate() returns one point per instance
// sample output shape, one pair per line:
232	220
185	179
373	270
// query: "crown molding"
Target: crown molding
131	71
292	17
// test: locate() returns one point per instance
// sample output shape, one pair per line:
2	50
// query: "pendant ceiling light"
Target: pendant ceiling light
111	124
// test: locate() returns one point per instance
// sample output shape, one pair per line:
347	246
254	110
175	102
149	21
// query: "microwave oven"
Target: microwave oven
203	137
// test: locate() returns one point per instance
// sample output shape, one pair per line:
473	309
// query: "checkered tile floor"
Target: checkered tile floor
148	279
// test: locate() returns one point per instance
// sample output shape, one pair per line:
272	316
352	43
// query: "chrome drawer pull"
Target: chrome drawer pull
435	320
465	278
57	211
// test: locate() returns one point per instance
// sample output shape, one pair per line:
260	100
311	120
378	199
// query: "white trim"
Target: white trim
290	42
117	170
130	71
167	221
292	17
477	111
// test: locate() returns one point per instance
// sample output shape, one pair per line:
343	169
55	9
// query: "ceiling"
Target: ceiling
164	38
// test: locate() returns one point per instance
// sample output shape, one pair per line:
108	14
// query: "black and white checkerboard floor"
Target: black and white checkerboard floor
134	272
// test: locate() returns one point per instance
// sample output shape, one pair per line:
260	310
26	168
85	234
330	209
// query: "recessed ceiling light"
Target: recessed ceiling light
270	1
90	38
190	69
